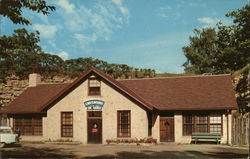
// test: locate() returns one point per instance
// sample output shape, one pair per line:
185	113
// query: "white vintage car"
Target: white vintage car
7	136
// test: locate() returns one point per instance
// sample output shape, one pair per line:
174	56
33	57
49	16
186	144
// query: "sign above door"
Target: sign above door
94	104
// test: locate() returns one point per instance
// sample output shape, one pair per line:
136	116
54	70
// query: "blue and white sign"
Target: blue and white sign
94	104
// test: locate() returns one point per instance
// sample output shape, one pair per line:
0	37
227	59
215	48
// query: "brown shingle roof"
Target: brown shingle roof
181	93
105	77
41	98
186	93
33	97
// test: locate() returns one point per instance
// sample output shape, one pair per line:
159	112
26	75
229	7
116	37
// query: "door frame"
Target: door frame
94	118
167	117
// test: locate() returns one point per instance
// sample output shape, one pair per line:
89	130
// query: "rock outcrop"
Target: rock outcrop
15	86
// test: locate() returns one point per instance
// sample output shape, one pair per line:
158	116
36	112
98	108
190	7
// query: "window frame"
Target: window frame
194	124
72	125
221	122
89	87
34	124
197	122
119	123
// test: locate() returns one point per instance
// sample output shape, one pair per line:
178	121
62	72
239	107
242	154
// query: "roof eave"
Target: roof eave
198	109
43	108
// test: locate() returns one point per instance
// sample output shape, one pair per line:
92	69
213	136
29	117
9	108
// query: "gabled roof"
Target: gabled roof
105	77
40	98
174	93
186	93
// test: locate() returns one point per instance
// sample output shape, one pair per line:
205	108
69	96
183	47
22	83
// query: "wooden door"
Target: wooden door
95	131
167	129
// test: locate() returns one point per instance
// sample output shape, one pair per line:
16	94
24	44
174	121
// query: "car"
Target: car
7	136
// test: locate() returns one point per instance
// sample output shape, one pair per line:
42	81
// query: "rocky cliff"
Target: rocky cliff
15	86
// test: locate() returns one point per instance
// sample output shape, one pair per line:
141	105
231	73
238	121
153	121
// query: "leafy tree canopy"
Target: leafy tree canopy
20	53
221	50
12	9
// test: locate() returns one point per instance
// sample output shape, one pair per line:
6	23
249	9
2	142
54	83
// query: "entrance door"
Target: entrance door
167	129
94	127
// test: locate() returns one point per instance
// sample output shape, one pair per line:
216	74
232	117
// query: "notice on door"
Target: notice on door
94	130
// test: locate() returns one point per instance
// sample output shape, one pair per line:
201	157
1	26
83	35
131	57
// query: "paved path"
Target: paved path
165	151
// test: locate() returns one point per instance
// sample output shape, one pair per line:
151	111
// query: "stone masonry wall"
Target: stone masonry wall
15	86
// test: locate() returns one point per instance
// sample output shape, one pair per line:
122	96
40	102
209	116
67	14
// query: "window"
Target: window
188	124
94	87
215	123
94	114
123	123
37	126
201	123
67	124
29	126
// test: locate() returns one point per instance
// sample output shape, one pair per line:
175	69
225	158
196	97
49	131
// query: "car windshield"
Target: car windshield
5	131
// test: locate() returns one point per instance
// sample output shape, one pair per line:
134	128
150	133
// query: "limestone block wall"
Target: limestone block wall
14	86
156	127
11	89
74	102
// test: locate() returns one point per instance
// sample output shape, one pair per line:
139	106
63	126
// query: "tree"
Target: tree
18	53
51	65
222	50
12	9
201	53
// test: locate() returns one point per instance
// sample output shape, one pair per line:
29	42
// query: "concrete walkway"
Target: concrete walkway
162	151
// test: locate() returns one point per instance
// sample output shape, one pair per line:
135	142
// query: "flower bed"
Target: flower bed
132	141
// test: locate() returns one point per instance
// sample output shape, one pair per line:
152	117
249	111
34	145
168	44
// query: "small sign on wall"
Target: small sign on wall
94	104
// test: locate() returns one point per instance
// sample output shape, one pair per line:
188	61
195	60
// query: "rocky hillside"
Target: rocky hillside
14	87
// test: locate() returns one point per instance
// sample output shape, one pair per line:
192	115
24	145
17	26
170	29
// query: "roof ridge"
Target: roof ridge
174	77
104	76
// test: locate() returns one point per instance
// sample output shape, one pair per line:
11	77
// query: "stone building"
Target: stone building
95	107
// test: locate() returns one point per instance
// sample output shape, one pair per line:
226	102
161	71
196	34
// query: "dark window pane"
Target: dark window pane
123	123
94	114
188	129
188	124
202	119
94	86
67	124
201	128
28	126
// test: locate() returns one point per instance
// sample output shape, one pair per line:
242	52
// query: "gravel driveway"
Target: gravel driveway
171	150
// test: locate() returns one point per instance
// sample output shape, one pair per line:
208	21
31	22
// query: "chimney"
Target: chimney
35	77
